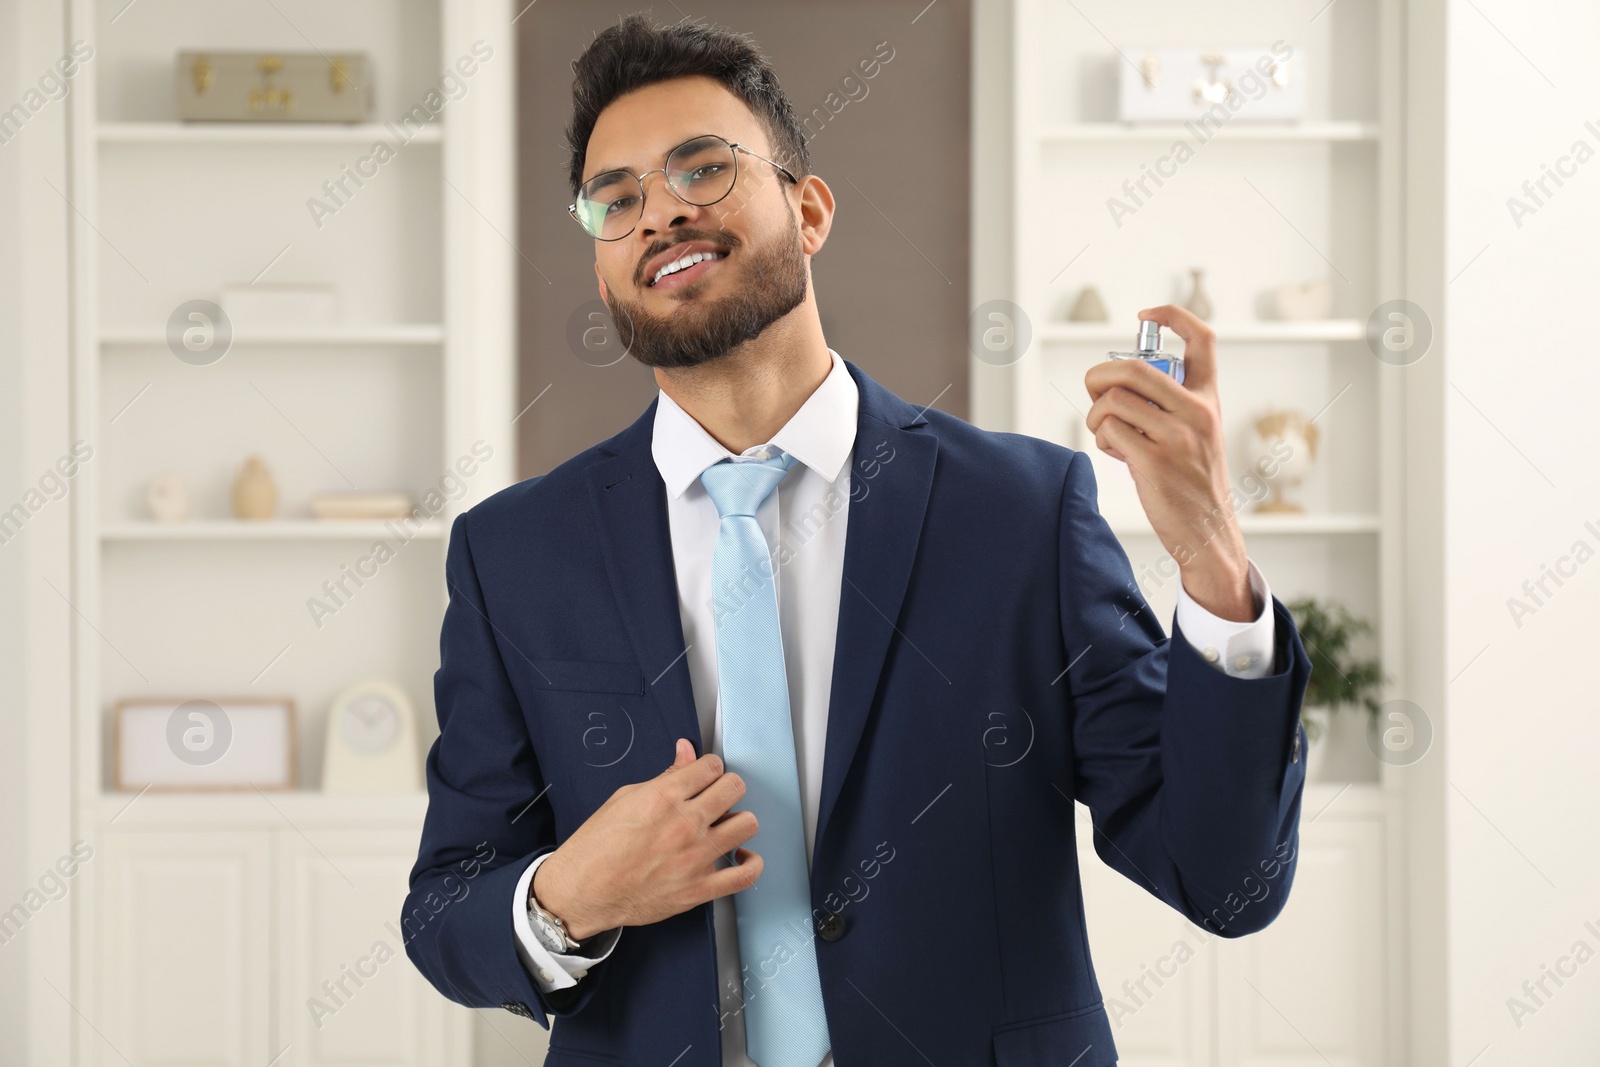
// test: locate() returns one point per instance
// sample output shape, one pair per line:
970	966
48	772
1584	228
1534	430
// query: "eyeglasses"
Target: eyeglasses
700	171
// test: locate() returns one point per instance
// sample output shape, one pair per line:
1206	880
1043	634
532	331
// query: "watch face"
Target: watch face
548	936
370	723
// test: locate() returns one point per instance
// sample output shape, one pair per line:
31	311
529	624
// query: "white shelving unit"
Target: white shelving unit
400	335
1275	525
282	887
363	133
1257	205
1164	133
1227	332
277	529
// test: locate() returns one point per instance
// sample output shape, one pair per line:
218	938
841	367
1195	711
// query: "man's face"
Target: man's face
717	305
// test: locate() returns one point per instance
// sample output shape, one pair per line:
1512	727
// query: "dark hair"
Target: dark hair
636	52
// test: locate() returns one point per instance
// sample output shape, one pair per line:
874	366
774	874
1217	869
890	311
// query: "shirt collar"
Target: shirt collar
820	435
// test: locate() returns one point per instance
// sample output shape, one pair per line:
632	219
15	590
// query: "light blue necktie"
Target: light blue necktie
785	1025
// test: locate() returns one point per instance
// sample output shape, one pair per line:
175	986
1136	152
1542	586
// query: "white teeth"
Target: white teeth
687	261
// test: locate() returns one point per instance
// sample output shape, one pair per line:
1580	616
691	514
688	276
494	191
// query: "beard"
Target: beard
698	330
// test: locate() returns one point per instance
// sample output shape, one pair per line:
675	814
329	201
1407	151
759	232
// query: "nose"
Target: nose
663	207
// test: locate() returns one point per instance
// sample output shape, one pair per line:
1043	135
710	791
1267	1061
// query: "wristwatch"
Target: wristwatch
551	931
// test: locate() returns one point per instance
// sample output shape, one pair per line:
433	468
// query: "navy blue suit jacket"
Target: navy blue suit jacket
995	661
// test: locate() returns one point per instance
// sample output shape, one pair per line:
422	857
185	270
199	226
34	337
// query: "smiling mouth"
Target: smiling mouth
684	275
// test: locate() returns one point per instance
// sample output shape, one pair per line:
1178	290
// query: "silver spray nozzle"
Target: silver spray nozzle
1149	336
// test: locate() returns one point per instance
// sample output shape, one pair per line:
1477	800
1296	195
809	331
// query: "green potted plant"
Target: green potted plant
1339	678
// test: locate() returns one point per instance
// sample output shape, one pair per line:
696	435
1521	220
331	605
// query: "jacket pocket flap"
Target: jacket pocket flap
1079	1038
588	676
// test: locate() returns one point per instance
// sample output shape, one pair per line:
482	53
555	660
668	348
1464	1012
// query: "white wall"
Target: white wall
13	1020
35	627
990	226
1520	383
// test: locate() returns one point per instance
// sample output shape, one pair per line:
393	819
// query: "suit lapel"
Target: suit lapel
630	502
891	476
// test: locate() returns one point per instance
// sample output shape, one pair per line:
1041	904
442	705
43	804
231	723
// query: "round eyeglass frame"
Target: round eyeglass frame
572	208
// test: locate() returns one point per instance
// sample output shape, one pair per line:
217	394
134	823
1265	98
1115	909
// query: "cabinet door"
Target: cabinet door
346	992
1309	989
183	938
1155	968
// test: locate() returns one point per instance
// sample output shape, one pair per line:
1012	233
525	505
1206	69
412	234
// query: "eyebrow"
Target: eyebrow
630	170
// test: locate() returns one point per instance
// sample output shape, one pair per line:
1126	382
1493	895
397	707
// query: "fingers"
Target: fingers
1131	446
740	876
708	790
714	801
1180	320
1141	378
1132	409
1199	343
684	780
732	830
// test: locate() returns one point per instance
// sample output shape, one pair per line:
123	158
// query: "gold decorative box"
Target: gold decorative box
273	87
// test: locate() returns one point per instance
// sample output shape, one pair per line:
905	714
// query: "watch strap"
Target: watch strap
557	939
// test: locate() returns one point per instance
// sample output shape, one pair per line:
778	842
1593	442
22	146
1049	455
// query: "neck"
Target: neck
747	396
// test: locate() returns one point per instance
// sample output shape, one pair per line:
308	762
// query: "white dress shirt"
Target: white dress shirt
808	514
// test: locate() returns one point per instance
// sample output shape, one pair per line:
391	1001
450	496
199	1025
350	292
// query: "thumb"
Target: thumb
683	752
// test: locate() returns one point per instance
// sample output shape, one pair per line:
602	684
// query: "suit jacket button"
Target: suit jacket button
831	926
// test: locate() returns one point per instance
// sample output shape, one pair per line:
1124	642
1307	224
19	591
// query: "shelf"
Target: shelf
1292	525
268	530
418	334
299	808
1163	132
1115	333
229	133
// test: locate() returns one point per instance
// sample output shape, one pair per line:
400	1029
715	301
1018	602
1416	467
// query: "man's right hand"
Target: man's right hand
649	851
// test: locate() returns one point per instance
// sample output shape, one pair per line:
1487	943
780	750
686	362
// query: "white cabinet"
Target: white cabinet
346	993
1307	990
184	933
267	940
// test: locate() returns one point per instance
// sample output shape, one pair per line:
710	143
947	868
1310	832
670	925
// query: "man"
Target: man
761	722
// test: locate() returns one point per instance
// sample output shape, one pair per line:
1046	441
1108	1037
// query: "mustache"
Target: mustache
722	241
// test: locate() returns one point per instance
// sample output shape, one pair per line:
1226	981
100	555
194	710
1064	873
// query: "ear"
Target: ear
816	213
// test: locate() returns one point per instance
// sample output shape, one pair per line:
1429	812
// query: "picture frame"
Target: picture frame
205	744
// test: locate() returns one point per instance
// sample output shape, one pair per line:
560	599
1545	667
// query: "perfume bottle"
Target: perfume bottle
1150	351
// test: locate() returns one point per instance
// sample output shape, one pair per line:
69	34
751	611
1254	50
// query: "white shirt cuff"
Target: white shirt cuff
552	970
1238	649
